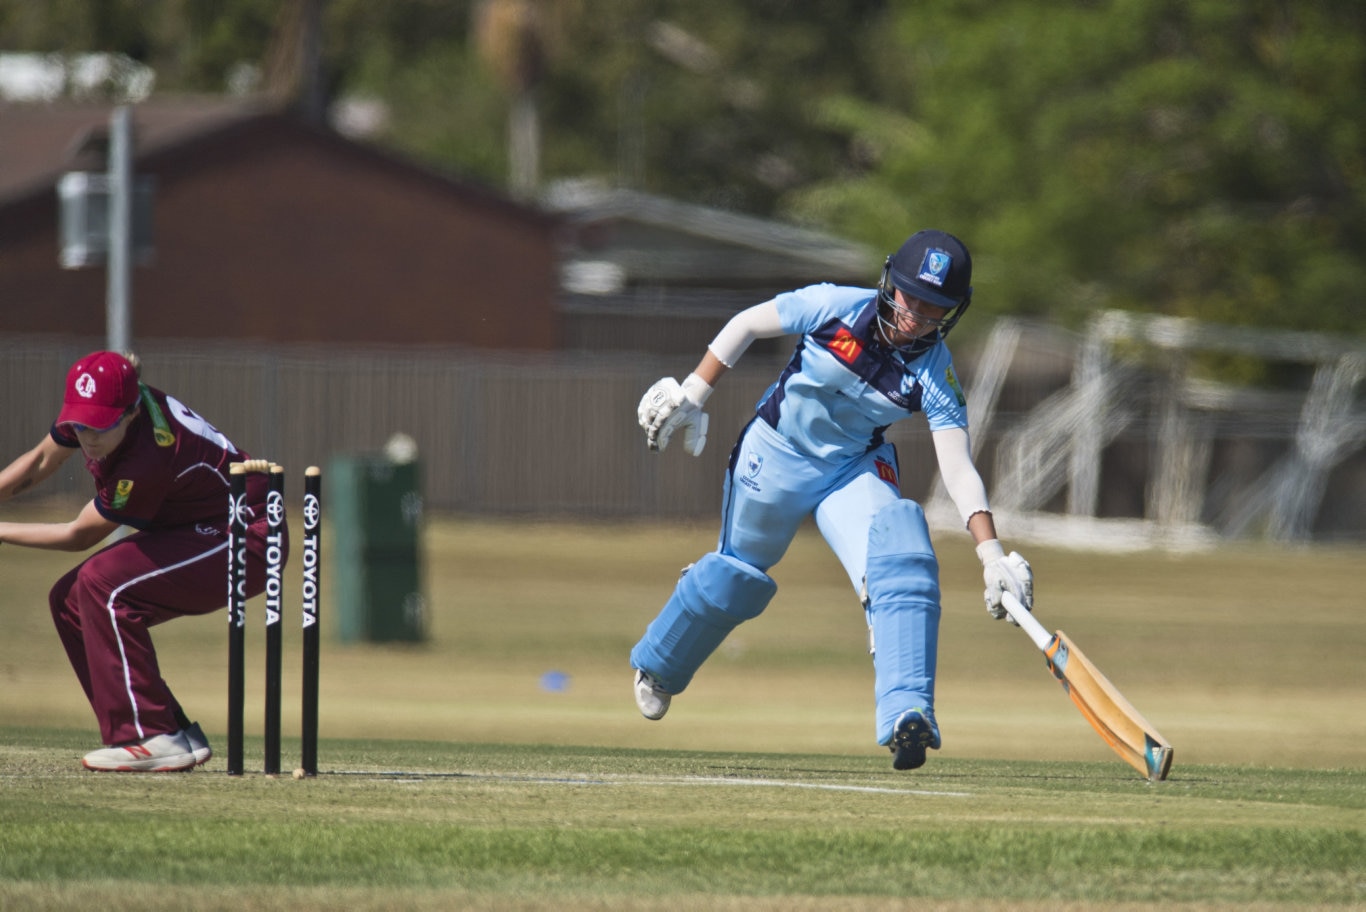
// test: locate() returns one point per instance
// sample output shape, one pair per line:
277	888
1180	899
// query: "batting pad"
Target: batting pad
903	610
712	598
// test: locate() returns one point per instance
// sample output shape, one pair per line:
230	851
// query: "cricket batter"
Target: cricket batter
161	469
866	358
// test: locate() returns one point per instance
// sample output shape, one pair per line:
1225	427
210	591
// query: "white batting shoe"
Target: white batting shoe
652	699
199	744
157	754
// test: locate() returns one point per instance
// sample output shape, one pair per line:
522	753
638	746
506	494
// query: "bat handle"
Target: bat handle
1028	623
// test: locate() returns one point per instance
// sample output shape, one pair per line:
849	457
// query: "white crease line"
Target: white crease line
649	780
778	783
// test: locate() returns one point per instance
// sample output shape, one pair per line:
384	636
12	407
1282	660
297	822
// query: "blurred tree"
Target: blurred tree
1190	157
708	101
420	58
293	76
73	26
702	101
513	37
194	45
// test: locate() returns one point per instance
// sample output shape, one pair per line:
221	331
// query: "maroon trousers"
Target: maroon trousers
105	608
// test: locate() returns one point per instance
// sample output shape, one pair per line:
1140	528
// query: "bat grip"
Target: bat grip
1028	623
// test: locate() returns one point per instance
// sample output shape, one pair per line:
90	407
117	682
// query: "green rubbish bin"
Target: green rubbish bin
375	505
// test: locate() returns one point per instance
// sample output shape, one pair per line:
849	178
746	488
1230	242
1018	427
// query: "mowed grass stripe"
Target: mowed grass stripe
1024	862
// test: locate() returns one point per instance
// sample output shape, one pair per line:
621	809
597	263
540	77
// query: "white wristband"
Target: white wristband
990	550
696	389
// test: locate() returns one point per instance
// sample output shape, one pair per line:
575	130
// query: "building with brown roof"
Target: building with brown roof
268	229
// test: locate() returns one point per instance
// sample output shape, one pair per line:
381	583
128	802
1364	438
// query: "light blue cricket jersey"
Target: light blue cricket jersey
843	388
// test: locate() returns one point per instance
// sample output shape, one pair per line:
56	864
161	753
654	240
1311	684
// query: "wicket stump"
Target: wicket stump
312	592
274	602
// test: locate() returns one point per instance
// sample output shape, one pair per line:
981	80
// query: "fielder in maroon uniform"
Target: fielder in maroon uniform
163	470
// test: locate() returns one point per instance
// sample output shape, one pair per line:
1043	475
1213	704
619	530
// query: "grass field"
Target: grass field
502	764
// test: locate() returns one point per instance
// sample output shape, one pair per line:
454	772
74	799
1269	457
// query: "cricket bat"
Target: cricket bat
1114	718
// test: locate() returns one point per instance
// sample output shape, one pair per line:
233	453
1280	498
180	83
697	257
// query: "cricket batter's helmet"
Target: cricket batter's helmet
934	267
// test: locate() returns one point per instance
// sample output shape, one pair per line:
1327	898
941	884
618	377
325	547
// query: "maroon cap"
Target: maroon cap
99	388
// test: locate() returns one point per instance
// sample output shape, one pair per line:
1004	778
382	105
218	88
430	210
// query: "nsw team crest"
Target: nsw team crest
934	269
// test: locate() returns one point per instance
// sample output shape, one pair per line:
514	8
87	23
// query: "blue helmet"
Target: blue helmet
934	267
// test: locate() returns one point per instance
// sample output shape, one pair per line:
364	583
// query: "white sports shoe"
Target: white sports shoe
199	744
157	754
652	699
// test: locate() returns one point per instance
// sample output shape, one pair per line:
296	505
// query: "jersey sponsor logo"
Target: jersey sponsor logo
952	379
845	346
886	471
122	491
935	267
905	399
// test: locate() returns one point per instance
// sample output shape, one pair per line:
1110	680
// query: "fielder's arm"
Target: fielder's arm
87	530
32	468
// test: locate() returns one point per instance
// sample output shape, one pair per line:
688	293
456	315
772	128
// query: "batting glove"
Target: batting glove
670	405
1002	574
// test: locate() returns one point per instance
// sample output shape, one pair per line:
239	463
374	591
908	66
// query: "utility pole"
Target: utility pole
120	254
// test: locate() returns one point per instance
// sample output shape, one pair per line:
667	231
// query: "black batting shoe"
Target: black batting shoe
915	732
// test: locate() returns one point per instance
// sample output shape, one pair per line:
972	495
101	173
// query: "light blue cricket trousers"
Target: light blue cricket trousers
769	490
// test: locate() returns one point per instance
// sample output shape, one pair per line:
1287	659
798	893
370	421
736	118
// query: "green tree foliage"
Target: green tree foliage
192	44
1191	157
420	59
709	101
706	102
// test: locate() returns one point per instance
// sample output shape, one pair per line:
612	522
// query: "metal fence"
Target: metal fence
556	435
496	434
